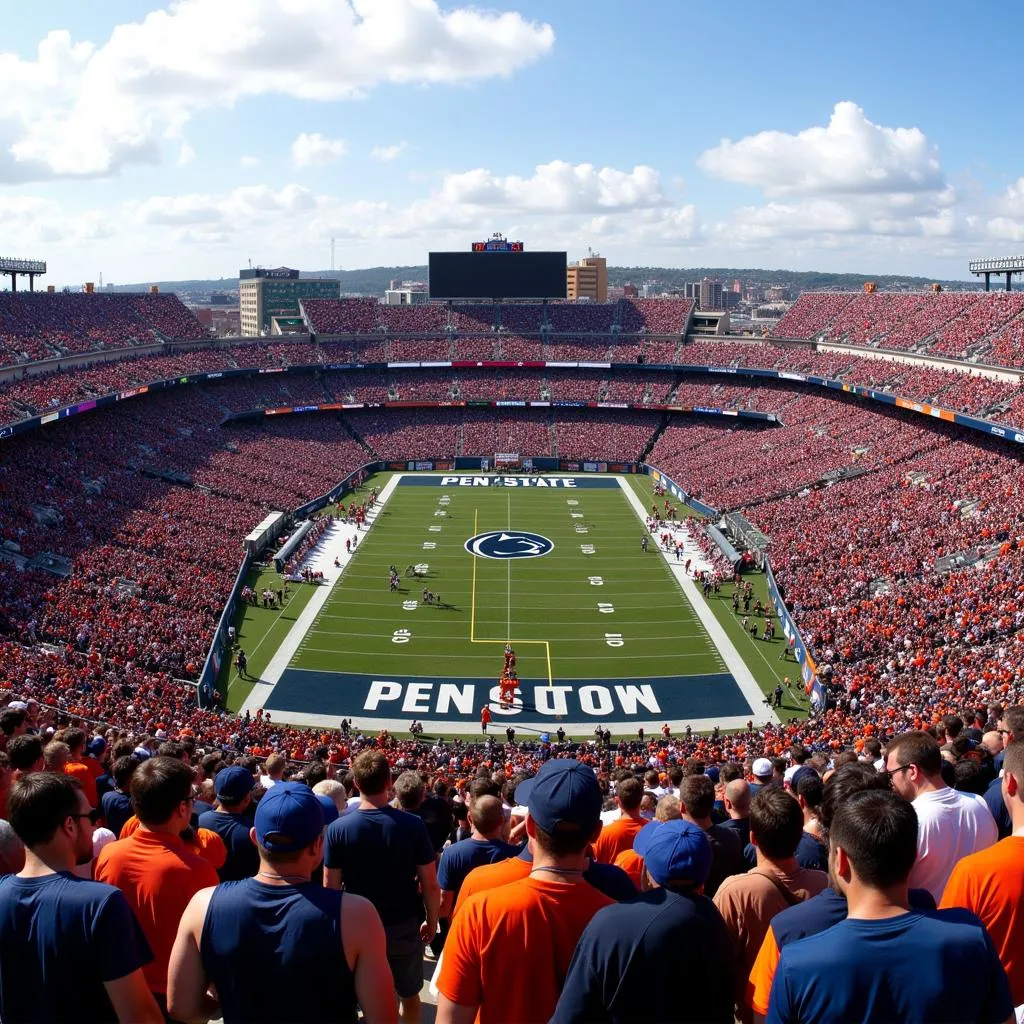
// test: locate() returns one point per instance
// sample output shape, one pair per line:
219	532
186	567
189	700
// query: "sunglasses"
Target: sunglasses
895	771
94	815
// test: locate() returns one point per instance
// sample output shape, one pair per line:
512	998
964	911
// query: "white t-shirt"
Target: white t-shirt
950	825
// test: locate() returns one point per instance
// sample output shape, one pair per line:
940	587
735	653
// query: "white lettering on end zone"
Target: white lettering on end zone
508	481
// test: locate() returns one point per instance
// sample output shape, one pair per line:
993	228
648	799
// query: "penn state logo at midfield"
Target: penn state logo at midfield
509	544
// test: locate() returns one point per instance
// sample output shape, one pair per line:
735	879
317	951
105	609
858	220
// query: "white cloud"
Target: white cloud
79	109
316	150
186	154
849	156
389	152
248	162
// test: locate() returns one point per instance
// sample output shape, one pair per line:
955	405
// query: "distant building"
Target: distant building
710	294
264	294
587	279
629	291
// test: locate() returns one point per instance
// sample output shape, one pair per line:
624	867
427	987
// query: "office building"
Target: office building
587	279
264	294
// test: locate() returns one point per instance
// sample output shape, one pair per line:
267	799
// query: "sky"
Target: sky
150	142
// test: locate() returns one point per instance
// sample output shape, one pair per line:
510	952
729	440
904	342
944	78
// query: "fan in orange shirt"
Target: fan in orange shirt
203	842
629	860
619	835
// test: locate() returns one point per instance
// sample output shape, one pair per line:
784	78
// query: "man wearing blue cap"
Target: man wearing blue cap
231	819
279	947
628	944
509	948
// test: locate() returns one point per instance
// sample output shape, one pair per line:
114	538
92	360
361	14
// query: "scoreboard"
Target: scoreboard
497	245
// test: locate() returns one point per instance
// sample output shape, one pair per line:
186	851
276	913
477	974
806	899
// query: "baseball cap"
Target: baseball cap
562	797
97	745
18	705
289	818
329	808
805	771
712	773
674	851
233	783
762	768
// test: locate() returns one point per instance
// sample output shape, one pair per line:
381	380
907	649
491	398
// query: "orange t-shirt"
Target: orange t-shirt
990	883
80	770
509	948
762	974
205	842
633	864
489	876
616	837
158	875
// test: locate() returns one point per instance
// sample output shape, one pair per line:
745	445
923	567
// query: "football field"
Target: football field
604	632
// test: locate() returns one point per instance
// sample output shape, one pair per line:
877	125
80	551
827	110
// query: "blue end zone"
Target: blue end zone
538	482
347	695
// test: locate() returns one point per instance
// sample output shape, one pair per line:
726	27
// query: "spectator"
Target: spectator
1010	728
153	868
26	754
76	765
619	835
668	809
386	856
542	916
626	946
117	804
762	772
748	902
950	824
230	821
697	795
336	791
55	757
737	806
886	962
809	791
72	949
990	883
273	770
277	947
12	850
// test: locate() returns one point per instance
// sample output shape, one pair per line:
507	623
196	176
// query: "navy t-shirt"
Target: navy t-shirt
243	860
378	852
460	858
994	798
917	968
617	973
811	853
117	809
61	938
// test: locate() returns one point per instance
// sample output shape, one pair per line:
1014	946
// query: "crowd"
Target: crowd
163	876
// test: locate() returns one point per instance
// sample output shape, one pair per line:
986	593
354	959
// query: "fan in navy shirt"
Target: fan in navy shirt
116	803
232	821
72	949
886	962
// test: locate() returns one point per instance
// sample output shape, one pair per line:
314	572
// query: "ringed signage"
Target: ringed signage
504	544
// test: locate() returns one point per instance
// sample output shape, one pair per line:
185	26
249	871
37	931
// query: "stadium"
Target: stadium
730	548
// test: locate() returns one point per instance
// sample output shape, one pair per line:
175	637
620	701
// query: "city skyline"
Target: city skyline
180	142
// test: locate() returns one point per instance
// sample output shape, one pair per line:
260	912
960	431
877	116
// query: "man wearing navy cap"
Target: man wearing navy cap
278	946
231	819
627	945
509	947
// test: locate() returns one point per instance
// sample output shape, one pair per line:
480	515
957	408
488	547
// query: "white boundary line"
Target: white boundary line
263	689
732	658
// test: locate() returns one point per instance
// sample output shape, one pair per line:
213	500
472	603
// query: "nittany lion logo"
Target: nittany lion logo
509	544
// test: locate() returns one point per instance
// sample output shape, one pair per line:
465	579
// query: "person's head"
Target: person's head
737	798
776	823
75	739
13	722
992	742
799	754
846	782
809	791
288	829
55	756
971	776
52	817
233	786
161	790
122	771
487	816
913	761
410	791
697	795
372	773
482	787
677	854
274	766
172	748
675	775
628	794
763	771
564	801
5	772
1011	724
1013	781
668	809
333	789
872	842
952	726
26	754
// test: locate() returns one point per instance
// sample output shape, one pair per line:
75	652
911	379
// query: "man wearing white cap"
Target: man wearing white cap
762	772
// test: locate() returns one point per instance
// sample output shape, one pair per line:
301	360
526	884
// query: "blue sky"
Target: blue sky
153	142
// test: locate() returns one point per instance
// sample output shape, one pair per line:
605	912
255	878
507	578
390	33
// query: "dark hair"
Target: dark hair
10	719
777	822
561	844
812	790
695	766
799	753
675	775
316	772
878	832
1013	759
697	795
844	783
970	776
916	747
730	771
75	739
952	725
482	787
630	792
24	751
371	772
39	804
172	748
1014	719
158	786
122	771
